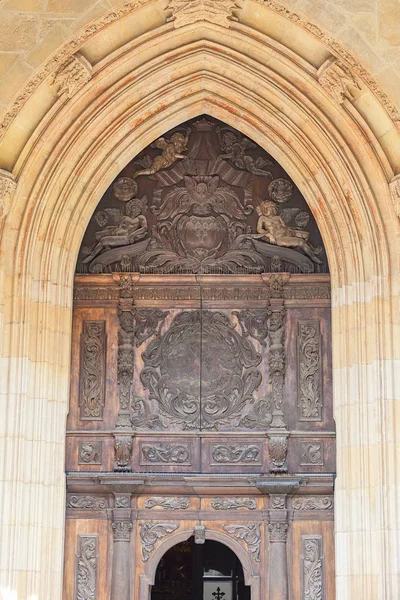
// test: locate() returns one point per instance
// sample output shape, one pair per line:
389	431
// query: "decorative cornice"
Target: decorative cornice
7	189
72	75
337	79
187	12
395	192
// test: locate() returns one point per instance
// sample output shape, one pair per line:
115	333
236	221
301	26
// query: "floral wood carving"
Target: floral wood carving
86	568
312	503
233	503
166	453
186	12
87	502
229	453
338	79
147	323
150	533
250	534
73	74
123	501
90	453
254	323
277	502
93	370
278	532
309	371
7	189
123	446
312	568
312	453
121	531
168	503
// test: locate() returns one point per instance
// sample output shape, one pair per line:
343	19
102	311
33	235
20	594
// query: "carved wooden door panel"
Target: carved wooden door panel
201	386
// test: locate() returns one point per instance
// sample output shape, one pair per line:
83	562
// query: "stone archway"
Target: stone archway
343	170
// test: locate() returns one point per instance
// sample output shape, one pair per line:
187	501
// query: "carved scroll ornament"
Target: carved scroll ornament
307	503
228	453
87	502
166	453
168	503
93	366
312	568
310	371
250	534
86	568
312	454
90	453
233	503
150	533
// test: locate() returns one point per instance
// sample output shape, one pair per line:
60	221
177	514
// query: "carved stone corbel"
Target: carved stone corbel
72	75
337	79
7	189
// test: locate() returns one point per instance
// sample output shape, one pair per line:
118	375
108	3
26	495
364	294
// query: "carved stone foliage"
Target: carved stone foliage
233	503
123	501
278	447
250	534
147	323
277	502
86	502
201	217
228	370
254	324
199	534
93	367
73	74
186	12
229	453
312	568
312	503
337	79
310	400
90	453
168	503
121	531
86	568
278	532
166	453
123	446
150	533
312	453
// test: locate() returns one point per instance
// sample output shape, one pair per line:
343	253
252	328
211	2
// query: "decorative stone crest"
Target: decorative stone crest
121	531
337	79
278	532
150	533
312	503
250	534
312	568
123	446
7	189
168	503
186	12
86	568
73	74
233	503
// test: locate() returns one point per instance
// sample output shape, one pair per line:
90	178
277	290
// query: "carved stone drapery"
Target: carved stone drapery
250	534
168	503
307	503
86	567
125	360
229	453
233	503
310	401
150	533
93	370
312	568
123	445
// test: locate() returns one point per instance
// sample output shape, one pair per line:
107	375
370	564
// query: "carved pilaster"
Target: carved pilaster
123	446
121	568
312	568
93	371
125	360
150	533
338	80
72	75
7	189
186	12
86	568
310	400
278	568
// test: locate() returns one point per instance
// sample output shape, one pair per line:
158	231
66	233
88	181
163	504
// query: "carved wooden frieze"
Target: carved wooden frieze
93	370
90	453
150	533
312	453
307	503
164	453
86	567
230	453
233	503
168	503
250	534
312	568
310	400
86	502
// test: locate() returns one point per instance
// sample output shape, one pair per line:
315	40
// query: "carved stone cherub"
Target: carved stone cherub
273	229
235	150
171	150
132	228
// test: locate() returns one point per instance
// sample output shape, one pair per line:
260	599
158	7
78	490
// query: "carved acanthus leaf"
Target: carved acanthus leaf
121	531
166	453
150	533
310	399
186	12
338	80
278	447
87	502
72	75
7	188
93	370
312	567
250	534
86	567
168	503
227	453
278	532
233	503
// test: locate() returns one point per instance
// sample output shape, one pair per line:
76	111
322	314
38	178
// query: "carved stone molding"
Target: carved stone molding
72	75
278	447
123	501
90	453
150	533
278	532
312	503
250	534
121	531
7	189
92	370
395	193
338	80
166	453
187	12
312	453
310	400
168	503
86	502
86	568
233	503
123	446
199	534
312	570
229	453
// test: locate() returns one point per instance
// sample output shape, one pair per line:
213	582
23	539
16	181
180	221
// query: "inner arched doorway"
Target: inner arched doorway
209	571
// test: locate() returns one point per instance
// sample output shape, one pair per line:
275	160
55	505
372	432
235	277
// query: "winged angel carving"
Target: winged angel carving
185	12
